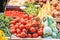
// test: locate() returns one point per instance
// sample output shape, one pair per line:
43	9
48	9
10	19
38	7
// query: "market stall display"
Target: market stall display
31	19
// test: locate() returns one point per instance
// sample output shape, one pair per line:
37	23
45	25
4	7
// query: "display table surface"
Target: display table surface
31	39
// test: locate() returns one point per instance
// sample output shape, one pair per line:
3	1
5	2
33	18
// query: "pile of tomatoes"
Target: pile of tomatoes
26	27
14	13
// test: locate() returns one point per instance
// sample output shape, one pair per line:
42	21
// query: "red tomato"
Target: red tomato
18	30
23	21
14	13
41	29
40	32
35	23
19	23
12	22
21	12
27	26
16	26
26	16
42	26
36	28
21	15
29	35
26	19
15	33
11	25
32	29
18	35
21	26
17	19
23	34
35	35
12	30
30	17
24	30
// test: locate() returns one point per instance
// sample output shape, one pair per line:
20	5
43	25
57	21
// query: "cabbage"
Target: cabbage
50	27
54	35
47	30
49	37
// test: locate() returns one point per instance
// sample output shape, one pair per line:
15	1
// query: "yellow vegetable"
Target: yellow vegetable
2	36
45	10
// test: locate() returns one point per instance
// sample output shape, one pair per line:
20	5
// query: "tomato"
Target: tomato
24	30
14	13
12	22
16	26
30	17
23	21
19	23
15	33
18	30
12	30
34	23
26	19
29	35
42	26
17	19
26	16
40	32
36	28
21	15
35	35
18	35
21	26
27	26
21	12
32	29
23	34
11	25
41	29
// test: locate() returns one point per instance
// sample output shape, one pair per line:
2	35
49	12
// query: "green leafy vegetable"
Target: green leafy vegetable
4	24
31	9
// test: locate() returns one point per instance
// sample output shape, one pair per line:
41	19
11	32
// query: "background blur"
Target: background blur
2	5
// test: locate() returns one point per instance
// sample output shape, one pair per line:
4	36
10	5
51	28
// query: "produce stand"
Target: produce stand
30	20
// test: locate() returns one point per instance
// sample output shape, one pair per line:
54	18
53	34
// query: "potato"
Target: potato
58	7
